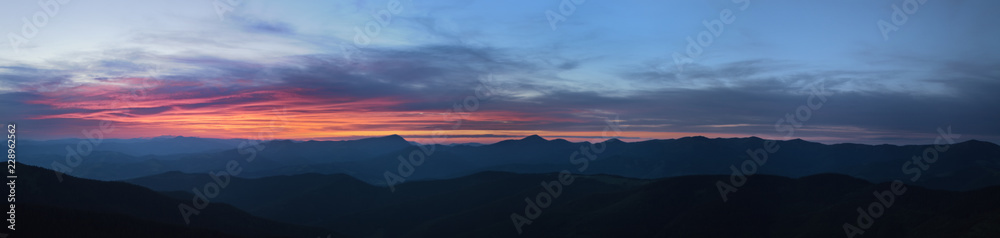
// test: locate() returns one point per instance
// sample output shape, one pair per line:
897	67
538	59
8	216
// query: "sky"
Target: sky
857	71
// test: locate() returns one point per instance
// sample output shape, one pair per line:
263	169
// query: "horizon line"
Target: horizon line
514	138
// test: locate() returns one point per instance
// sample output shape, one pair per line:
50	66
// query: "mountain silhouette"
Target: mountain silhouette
88	208
605	206
655	188
964	166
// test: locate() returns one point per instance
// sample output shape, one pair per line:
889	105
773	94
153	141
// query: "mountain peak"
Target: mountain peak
975	142
696	138
533	138
394	137
388	138
561	141
613	141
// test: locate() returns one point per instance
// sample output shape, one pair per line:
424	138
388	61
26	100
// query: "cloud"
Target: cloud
257	25
395	90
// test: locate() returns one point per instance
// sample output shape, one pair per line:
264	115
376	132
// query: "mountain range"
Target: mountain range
964	166
48	207
530	187
486	205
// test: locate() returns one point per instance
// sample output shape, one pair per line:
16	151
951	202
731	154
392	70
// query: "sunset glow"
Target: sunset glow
304	72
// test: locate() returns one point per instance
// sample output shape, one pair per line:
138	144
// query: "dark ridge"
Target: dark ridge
533	138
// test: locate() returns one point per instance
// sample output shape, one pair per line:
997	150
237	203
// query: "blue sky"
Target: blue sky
606	58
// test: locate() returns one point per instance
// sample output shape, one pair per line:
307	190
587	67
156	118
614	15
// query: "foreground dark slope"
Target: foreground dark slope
47	221
87	208
481	205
